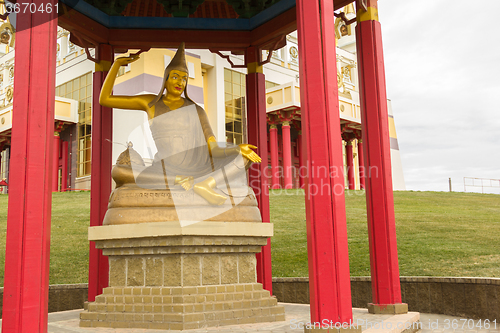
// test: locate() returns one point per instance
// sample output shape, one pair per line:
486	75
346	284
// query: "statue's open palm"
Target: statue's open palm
247	152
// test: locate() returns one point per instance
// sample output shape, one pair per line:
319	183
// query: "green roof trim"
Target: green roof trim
250	8
110	7
180	8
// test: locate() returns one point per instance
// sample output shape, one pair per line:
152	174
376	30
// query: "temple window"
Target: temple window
234	88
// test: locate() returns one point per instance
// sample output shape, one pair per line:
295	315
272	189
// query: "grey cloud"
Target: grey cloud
442	73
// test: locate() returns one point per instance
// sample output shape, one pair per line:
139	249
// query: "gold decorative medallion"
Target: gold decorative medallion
9	94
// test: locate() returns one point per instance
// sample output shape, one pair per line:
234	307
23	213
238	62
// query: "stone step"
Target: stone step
181	321
184	317
183	299
195	290
185	307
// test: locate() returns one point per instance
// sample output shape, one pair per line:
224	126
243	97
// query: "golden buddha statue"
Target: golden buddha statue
188	160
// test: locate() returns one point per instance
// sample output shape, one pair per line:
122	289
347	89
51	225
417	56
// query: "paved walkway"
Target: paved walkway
297	315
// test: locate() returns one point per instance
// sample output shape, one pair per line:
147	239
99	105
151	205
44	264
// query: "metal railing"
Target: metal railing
481	182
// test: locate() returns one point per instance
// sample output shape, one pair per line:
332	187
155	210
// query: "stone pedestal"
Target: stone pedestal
164	276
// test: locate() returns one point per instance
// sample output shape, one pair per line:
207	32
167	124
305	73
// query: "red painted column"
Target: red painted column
361	163
275	172
328	258
379	197
350	165
55	165
257	136
64	157
100	188
26	282
287	154
302	163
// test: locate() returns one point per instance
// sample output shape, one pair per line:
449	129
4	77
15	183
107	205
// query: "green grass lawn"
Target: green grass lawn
439	234
69	246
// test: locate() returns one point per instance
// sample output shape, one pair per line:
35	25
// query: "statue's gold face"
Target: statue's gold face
176	82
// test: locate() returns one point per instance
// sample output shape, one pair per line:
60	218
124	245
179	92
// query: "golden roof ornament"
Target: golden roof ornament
349	9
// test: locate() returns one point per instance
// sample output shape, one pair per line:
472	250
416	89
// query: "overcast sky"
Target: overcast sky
442	61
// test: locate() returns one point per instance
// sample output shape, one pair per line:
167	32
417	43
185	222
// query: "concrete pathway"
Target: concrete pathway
297	315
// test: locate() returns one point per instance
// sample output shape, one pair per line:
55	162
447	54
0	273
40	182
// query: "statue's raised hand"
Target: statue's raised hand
123	61
247	152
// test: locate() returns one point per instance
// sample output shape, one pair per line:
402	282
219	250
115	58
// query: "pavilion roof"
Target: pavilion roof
216	24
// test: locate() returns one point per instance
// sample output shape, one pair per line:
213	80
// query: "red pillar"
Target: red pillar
64	157
302	163
328	259
55	165
26	283
361	163
379	197
287	154
100	188
350	165
257	136
275	173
